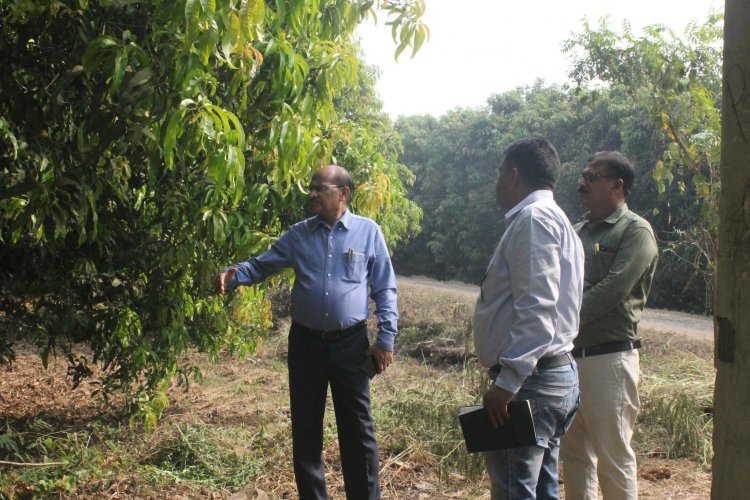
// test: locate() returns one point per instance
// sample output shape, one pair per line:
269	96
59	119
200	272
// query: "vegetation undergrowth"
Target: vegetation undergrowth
231	430
676	417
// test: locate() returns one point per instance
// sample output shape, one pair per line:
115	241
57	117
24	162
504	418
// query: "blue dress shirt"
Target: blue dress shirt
333	269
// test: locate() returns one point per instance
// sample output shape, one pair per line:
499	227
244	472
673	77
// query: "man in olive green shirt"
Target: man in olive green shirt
620	259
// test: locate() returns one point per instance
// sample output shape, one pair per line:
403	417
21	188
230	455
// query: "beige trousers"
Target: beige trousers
596	449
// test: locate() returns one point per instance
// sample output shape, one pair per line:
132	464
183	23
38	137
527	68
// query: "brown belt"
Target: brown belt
330	334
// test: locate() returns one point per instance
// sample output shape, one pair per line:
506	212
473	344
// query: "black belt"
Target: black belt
608	348
330	334
544	363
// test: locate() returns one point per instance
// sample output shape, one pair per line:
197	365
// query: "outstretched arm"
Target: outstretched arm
223	280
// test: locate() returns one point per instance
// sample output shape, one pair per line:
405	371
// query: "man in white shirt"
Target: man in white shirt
526	318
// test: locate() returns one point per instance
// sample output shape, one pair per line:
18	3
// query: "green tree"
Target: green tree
454	163
143	144
455	160
370	146
678	79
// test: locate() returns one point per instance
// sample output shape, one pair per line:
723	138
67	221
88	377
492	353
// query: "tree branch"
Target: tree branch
685	150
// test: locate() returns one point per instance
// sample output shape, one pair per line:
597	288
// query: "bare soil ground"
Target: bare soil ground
252	393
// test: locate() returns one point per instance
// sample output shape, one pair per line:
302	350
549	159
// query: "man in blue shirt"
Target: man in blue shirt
336	256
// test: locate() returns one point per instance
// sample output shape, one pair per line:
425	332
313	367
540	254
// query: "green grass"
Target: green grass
75	457
220	457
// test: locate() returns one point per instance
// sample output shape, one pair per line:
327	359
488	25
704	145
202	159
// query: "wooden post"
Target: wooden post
731	463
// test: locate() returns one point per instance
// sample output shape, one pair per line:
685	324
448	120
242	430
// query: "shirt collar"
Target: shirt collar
344	222
613	217
534	196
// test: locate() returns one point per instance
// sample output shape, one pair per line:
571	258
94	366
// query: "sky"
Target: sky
483	47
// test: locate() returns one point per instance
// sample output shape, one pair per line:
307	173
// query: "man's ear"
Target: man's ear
619	185
346	192
515	177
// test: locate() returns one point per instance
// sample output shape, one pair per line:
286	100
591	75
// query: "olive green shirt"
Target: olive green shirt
621	256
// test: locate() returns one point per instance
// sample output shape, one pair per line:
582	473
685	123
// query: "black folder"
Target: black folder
481	436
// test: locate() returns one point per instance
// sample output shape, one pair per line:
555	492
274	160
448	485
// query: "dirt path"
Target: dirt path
660	320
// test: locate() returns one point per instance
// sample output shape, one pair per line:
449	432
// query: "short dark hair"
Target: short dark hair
536	160
343	178
617	166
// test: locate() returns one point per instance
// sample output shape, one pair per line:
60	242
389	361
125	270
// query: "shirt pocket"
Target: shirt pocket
600	264
604	255
354	266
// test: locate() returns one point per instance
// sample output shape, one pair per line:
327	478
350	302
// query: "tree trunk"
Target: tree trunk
731	463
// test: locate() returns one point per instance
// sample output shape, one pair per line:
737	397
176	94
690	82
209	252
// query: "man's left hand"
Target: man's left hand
383	358
496	401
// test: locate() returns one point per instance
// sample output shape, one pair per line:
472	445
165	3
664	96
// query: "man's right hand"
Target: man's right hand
383	358
223	280
496	401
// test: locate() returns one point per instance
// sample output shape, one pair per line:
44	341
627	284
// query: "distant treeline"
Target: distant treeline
455	159
654	97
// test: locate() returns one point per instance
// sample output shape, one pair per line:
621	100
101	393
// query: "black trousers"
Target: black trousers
313	365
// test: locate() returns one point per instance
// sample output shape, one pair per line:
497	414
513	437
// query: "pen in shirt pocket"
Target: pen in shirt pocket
351	253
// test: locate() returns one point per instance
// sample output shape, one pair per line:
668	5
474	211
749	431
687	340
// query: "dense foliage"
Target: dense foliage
677	78
455	159
143	145
660	109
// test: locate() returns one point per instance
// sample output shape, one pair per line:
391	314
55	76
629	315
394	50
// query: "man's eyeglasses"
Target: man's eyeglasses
321	188
590	176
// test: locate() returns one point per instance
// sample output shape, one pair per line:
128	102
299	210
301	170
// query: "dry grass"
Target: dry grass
231	431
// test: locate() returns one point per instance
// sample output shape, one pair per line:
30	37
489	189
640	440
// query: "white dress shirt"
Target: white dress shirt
530	297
